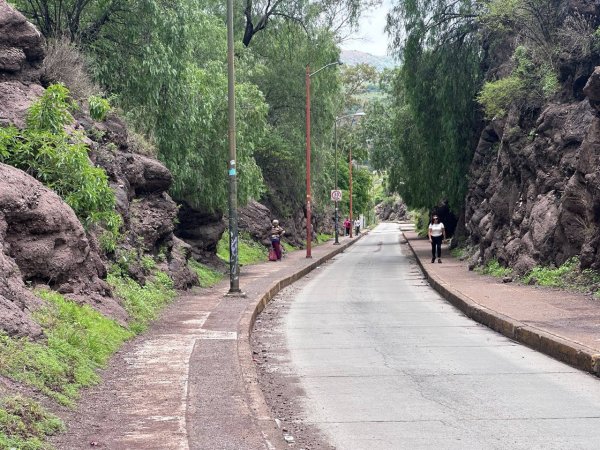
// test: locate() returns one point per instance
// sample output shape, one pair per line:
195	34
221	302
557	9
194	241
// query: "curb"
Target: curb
256	400
564	350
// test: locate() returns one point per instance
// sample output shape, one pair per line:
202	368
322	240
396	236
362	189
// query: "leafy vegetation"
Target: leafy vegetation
494	269
249	251
323	237
79	340
207	276
61	161
528	84
24	424
142	303
99	107
553	276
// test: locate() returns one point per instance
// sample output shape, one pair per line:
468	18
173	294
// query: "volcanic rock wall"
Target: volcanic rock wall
534	196
41	240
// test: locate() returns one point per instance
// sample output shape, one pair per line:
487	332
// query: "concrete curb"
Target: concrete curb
569	352
256	400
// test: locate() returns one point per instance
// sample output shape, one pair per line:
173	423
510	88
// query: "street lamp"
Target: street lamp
357	114
308	196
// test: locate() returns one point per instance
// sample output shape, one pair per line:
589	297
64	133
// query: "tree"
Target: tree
435	116
330	15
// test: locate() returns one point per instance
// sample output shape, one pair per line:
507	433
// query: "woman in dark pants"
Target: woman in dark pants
437	233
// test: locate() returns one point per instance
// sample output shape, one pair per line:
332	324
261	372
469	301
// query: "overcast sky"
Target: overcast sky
371	37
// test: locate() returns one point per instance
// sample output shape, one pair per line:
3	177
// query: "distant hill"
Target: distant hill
354	57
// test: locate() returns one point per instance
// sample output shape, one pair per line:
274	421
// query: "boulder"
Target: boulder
255	218
201	230
45	241
151	219
21	46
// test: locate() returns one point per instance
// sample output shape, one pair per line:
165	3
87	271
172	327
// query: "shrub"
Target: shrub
99	107
51	111
529	83
61	162
497	96
64	63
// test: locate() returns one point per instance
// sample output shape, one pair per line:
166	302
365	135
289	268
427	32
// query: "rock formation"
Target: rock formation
41	239
391	211
533	196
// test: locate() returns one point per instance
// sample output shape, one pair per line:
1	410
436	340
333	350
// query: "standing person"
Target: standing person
437	233
276	233
347	226
357	226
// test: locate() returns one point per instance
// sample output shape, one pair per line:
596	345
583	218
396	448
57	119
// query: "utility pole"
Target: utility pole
234	276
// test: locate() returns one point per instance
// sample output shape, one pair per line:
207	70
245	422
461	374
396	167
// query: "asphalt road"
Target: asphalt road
386	363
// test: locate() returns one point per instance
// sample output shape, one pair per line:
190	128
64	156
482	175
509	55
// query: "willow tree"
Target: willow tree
283	51
436	116
167	71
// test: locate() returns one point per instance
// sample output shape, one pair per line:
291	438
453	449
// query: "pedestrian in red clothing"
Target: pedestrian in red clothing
347	226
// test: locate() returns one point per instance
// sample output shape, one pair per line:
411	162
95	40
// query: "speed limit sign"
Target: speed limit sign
336	195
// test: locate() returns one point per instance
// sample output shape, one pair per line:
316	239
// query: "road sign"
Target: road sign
336	195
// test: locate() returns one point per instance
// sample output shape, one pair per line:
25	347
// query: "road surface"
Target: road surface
386	363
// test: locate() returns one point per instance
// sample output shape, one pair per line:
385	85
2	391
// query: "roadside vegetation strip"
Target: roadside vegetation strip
567	276
207	276
494	269
249	251
78	341
24	424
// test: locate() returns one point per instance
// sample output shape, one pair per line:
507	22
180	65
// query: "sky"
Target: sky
371	37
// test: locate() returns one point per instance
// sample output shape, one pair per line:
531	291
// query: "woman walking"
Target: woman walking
437	233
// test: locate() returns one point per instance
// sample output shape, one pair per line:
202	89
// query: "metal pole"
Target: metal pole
234	286
350	168
337	242
308	197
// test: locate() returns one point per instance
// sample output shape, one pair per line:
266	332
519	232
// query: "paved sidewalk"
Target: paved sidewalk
563	325
190	382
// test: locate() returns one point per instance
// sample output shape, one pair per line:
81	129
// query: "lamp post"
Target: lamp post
358	114
308	195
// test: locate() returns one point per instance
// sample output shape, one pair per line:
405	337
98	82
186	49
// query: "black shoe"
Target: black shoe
440	260
432	260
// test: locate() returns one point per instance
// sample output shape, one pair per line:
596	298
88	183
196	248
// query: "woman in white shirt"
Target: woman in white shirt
437	233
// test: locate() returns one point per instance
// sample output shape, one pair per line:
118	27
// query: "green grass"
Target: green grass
206	276
288	247
24	424
249	251
322	238
79	340
494	269
143	303
563	276
458	252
